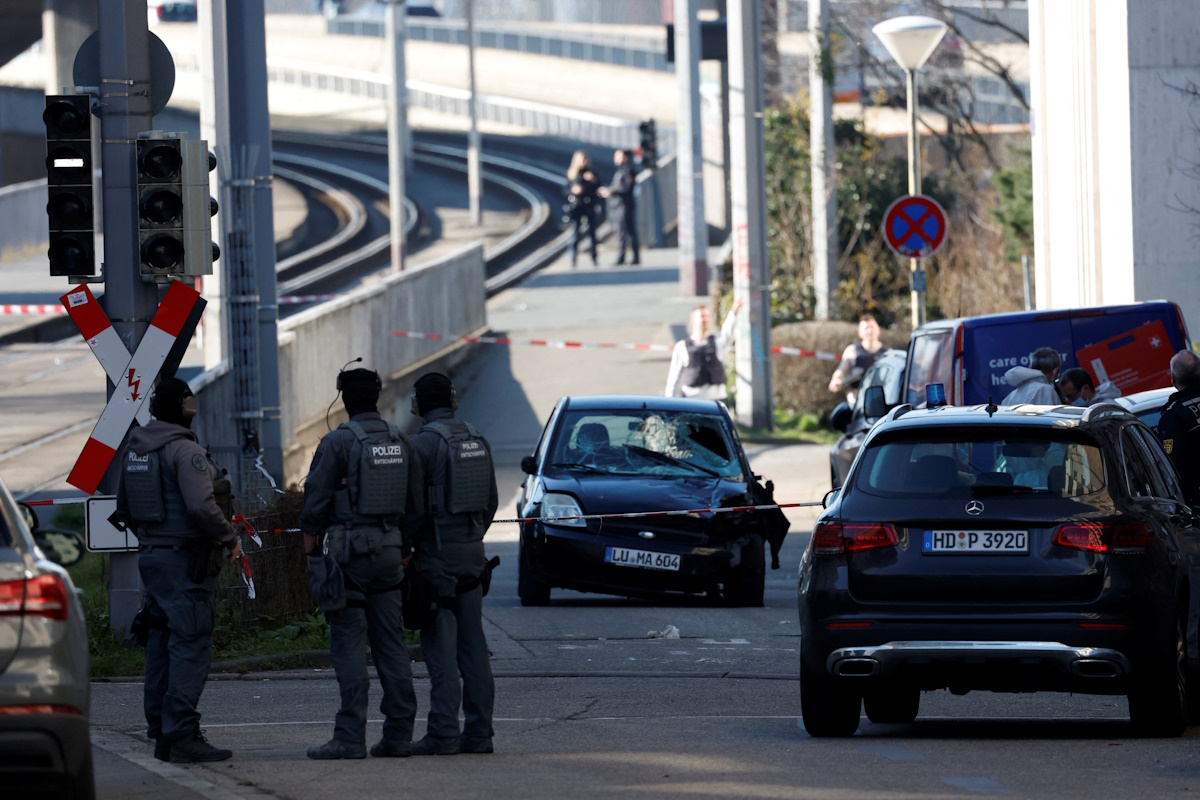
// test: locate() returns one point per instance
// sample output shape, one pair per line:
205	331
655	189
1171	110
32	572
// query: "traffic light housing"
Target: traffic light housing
199	250
70	206
160	204
174	206
648	142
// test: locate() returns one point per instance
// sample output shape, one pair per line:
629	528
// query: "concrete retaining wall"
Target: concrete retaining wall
23	209
445	296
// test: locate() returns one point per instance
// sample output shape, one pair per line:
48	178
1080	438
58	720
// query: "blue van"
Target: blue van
1129	345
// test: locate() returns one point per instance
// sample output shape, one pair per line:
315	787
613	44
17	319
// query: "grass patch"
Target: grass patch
111	657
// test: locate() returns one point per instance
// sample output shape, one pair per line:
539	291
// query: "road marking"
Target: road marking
631	718
179	777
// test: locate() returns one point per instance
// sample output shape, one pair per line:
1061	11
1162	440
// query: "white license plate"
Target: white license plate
976	542
624	557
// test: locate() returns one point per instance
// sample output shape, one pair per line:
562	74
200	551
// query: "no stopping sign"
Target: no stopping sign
914	226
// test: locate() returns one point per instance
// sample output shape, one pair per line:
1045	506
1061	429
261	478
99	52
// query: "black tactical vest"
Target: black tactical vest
382	471
468	469
153	496
703	367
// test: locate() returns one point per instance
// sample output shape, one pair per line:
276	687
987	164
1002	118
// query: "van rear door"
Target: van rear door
1130	345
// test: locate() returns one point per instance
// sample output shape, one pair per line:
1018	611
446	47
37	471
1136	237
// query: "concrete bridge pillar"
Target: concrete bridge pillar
65	24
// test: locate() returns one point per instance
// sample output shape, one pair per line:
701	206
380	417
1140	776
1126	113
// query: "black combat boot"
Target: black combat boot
391	749
195	749
471	744
337	749
429	746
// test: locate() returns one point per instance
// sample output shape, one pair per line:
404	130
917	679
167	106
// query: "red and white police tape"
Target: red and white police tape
566	344
31	309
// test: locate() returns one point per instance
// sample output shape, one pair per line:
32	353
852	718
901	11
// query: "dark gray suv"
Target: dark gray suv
45	746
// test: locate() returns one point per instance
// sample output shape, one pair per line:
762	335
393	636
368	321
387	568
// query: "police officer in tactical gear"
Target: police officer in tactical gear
462	499
698	362
1179	425
363	500
165	493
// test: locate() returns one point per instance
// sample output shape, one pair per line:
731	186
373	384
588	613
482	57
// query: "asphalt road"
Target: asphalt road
588	704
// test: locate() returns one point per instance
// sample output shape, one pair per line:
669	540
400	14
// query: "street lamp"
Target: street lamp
911	40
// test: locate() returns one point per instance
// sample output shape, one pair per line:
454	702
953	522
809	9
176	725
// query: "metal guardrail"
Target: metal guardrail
545	118
647	52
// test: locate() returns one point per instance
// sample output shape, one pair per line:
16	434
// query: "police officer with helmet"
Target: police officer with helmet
363	499
165	493
461	503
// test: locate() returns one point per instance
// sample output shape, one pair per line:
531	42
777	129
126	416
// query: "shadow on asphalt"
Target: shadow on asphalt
1000	729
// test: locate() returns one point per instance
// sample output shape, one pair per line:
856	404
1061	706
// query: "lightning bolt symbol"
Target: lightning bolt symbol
133	384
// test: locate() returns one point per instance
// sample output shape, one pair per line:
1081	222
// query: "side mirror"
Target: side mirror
840	418
29	515
874	403
61	547
830	497
529	465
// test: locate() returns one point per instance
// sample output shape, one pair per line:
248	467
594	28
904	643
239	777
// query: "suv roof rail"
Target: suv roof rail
1100	410
900	410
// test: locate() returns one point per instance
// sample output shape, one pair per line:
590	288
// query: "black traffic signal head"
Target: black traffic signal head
160	204
69	209
200	251
648	142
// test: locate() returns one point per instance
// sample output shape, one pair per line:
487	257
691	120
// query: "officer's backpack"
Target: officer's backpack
468	469
382	471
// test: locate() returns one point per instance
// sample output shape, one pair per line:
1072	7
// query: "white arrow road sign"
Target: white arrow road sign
136	378
103	535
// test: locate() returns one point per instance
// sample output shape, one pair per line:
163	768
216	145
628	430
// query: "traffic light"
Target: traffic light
199	250
160	204
648	143
69	206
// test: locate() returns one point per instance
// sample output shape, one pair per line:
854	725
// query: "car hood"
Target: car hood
602	494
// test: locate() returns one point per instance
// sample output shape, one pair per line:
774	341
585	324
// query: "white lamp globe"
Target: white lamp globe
910	40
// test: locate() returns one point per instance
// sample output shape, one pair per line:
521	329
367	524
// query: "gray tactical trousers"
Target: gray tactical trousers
454	645
377	618
178	657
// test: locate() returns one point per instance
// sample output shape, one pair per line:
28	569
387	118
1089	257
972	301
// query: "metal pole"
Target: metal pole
823	157
916	274
1025	274
394	34
727	201
128	302
474	178
242	129
751	272
689	160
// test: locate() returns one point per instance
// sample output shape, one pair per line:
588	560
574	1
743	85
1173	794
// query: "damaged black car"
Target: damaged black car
664	464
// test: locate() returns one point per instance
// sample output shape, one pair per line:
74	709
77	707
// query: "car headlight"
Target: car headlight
555	504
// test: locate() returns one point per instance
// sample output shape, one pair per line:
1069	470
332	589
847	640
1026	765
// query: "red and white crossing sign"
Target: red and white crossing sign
914	226
98	332
133	382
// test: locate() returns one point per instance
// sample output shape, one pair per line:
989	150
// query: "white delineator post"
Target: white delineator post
751	271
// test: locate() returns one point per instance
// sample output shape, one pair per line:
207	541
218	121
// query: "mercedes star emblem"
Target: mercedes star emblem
974	508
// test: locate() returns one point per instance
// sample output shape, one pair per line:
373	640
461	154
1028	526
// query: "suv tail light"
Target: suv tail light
1123	538
43	596
834	538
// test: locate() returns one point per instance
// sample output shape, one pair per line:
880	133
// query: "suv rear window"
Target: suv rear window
934	464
